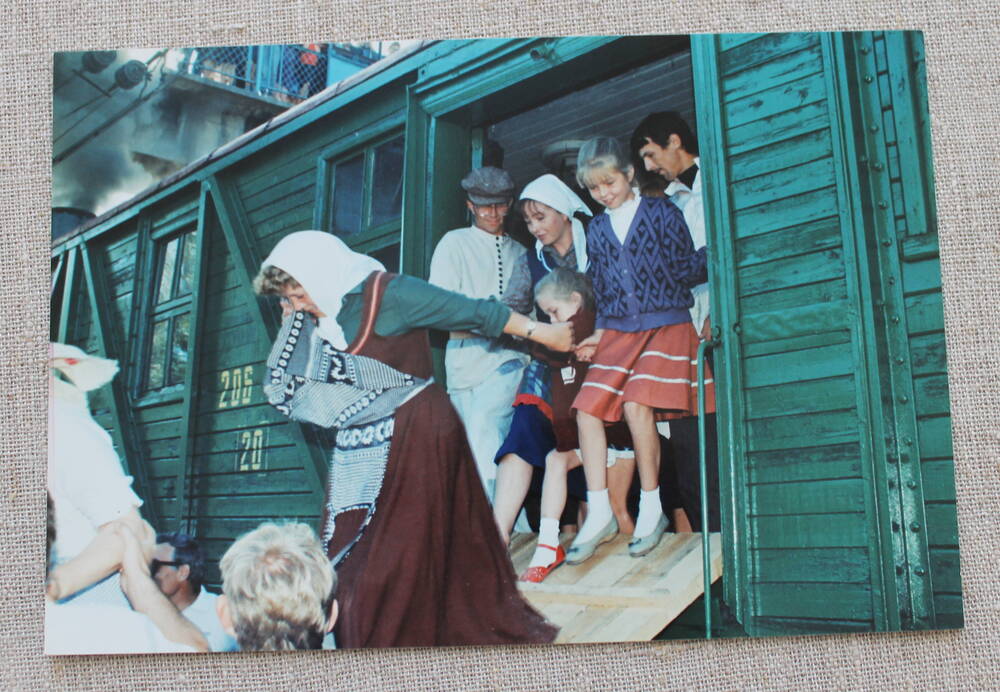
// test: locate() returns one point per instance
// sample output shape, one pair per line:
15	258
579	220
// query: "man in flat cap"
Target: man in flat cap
477	261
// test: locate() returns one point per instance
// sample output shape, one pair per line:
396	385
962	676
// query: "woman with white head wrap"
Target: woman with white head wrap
91	495
426	568
549	207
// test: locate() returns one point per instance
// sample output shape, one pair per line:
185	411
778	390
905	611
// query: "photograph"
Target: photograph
496	341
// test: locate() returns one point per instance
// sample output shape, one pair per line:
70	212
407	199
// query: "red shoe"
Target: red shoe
537	574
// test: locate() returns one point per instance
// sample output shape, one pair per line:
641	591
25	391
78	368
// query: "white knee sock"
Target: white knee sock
650	511
548	534
598	515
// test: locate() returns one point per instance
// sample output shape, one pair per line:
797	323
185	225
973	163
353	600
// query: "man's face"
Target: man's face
489	217
663	160
166	576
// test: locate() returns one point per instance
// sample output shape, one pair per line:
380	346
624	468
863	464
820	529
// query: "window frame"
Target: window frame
151	311
370	238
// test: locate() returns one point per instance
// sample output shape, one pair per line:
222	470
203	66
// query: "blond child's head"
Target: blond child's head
603	168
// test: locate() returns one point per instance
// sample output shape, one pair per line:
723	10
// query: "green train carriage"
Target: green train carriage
836	472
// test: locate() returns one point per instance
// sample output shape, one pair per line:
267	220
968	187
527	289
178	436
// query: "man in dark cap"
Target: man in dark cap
477	261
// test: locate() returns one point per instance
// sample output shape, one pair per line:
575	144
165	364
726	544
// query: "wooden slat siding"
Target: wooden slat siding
181	212
784	627
807	490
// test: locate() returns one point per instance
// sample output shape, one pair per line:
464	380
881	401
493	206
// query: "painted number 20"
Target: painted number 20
250	456
237	387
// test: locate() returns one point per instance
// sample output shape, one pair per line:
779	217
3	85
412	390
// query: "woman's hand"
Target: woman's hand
555	337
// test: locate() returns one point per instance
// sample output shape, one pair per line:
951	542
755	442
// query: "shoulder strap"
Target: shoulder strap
373	292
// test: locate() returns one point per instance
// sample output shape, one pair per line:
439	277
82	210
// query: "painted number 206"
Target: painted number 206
236	386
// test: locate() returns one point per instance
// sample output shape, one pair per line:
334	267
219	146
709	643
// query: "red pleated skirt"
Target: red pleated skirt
657	368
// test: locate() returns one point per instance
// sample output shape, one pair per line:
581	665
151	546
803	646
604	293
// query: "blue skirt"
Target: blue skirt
531	437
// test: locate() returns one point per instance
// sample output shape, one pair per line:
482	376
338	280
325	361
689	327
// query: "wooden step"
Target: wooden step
613	597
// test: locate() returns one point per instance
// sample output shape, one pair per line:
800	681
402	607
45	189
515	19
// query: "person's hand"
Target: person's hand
706	330
286	307
555	337
585	349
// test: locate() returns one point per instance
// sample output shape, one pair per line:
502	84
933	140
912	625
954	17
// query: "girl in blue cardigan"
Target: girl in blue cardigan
643	352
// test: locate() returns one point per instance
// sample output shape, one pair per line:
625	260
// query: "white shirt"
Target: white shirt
476	264
690	202
621	218
202	614
98	629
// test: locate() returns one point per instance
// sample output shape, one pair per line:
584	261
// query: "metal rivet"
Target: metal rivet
866	50
903	399
912	485
900	360
869	79
892	280
895	319
895	526
908	441
920	571
883	205
887	243
877	166
915	527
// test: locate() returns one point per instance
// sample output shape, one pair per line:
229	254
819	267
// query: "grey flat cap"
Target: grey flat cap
488	185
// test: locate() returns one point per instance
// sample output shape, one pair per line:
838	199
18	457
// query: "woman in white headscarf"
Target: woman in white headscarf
406	522
91	495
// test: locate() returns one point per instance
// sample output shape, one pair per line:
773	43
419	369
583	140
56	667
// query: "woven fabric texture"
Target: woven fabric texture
963	61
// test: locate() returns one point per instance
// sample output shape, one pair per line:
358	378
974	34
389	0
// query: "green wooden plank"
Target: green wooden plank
280	192
938	478
808	497
927	354
942	524
801	149
797	343
283	505
922	275
784	627
797	296
776	100
777	70
805	565
791	180
820	234
283	208
785	213
812	531
945	570
790	323
931	395
275	457
809	364
730	41
238	419
803	430
152	414
934	435
761	48
831	394
778	127
918	247
924	313
226	529
791	271
948	611
806	464
828	600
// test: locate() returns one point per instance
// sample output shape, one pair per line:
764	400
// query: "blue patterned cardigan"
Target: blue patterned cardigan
646	282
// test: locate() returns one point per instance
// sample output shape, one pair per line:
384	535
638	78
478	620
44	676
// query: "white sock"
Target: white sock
548	534
650	511
598	515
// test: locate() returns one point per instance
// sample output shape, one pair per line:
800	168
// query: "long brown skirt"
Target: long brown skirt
430	568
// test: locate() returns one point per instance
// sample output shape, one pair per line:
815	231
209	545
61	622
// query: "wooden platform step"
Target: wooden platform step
613	597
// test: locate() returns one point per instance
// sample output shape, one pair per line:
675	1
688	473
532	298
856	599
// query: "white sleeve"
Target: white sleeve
443	269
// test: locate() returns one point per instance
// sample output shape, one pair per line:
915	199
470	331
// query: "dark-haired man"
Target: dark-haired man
179	570
664	144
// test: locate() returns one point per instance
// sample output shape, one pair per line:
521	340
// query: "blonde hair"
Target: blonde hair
272	281
600	154
280	587
561	283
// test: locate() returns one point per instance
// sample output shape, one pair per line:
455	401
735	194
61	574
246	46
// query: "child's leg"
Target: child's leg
557	465
642	427
594	450
513	481
619	482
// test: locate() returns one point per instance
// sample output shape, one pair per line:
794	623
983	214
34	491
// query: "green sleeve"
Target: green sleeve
411	303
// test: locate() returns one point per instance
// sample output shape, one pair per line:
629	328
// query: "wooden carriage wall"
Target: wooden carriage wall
834	429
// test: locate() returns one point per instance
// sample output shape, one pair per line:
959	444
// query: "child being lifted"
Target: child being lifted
643	352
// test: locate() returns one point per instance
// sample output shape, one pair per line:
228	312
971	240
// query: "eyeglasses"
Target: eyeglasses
496	208
155	565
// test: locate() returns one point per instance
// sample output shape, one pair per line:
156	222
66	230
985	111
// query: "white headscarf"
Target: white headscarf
84	372
551	191
327	269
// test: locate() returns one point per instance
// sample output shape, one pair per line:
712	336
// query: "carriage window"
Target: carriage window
366	195
170	317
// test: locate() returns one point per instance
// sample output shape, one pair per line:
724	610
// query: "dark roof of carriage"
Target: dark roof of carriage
286	116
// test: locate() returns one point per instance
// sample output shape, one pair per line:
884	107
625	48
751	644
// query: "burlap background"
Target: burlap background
962	64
